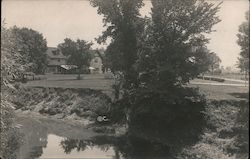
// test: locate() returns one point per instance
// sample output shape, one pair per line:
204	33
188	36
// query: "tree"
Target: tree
177	27
204	62
243	41
168	59
123	25
156	58
214	62
77	52
12	65
101	53
33	48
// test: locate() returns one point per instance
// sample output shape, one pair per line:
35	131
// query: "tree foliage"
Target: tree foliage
33	48
102	54
121	18
77	52
172	53
243	41
157	57
12	65
12	62
213	62
205	60
176	30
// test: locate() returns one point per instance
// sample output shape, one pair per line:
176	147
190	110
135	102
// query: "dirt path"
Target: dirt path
229	79
219	84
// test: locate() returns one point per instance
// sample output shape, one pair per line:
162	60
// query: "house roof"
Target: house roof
68	67
52	52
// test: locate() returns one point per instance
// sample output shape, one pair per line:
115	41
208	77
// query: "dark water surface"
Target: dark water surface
52	139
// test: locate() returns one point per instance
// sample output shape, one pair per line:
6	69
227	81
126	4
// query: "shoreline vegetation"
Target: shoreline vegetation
81	107
69	104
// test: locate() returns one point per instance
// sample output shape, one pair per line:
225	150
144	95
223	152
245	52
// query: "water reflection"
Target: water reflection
69	144
35	139
59	147
44	140
80	145
126	147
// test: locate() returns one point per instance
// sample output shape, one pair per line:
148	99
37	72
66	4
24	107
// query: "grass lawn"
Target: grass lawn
231	76
98	81
92	81
223	92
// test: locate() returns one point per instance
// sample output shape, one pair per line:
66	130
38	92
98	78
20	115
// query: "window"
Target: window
58	60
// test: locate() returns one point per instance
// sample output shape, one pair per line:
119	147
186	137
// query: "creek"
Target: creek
46	138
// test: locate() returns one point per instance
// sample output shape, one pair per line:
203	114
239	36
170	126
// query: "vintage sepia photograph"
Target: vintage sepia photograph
124	79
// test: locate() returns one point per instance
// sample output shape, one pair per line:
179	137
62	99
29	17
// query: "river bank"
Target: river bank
70	115
62	103
82	106
44	137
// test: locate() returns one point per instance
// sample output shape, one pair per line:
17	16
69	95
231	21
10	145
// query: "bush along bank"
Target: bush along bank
226	136
212	78
63	103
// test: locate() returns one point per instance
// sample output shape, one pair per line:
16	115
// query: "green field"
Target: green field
92	81
223	92
98	81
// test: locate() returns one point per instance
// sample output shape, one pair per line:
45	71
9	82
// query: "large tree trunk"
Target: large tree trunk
79	73
212	70
246	72
117	91
117	156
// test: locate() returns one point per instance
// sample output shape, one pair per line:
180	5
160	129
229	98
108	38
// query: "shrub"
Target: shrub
204	151
9	134
109	75
242	128
212	79
52	101
175	117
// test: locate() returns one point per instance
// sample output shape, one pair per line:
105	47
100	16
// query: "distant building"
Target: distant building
95	63
57	63
55	60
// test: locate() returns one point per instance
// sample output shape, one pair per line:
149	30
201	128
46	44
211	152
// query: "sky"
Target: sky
58	19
